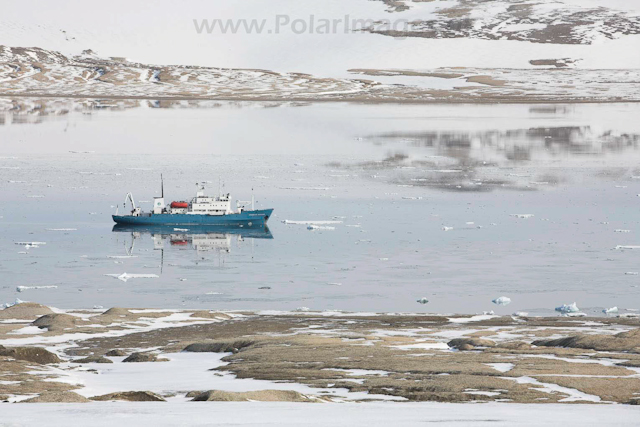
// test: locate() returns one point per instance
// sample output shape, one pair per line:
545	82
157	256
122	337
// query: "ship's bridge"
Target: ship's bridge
205	205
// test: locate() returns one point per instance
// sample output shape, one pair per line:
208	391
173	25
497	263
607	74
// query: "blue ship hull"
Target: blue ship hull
256	218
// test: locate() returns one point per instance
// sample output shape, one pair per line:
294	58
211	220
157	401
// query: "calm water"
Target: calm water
394	175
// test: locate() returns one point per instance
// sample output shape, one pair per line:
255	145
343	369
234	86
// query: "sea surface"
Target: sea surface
458	204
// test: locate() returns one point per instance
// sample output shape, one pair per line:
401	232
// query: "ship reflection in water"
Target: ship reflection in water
202	239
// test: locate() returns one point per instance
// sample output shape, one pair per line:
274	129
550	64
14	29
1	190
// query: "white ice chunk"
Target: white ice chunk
568	308
502	301
310	222
319	227
125	276
24	288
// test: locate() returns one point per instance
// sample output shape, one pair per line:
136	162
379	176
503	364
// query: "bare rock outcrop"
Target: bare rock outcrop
130	396
259	396
58	397
144	357
30	354
25	310
470	343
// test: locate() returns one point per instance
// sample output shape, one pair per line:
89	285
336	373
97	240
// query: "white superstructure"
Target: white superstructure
206	205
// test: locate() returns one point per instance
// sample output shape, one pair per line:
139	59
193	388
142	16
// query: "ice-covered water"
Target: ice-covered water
531	198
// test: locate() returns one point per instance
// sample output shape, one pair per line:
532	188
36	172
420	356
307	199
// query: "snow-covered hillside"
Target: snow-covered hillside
487	34
37	72
404	50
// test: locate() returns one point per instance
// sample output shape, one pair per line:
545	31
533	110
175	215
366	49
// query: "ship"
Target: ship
201	210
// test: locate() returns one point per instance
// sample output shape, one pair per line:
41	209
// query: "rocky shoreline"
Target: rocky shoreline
333	356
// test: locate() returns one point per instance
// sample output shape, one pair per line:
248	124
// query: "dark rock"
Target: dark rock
218	347
259	396
56	322
116	353
624	341
130	396
459	343
30	354
144	357
93	359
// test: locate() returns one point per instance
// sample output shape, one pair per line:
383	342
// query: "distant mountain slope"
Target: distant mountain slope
598	34
36	72
524	20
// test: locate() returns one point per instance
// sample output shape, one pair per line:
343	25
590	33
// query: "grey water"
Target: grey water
459	204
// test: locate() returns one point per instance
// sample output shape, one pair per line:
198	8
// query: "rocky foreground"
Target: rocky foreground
389	356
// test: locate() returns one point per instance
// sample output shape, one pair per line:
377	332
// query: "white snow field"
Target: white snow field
315	414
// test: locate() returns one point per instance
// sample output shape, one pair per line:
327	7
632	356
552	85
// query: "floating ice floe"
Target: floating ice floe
422	300
568	308
31	244
521	314
445	228
334	283
180	229
302	309
502	301
24	288
488	313
631	273
578	314
11	304
612	310
619	230
118	256
627	247
523	216
319	227
124	276
35	196
320	222
411	198
62	229
306	188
